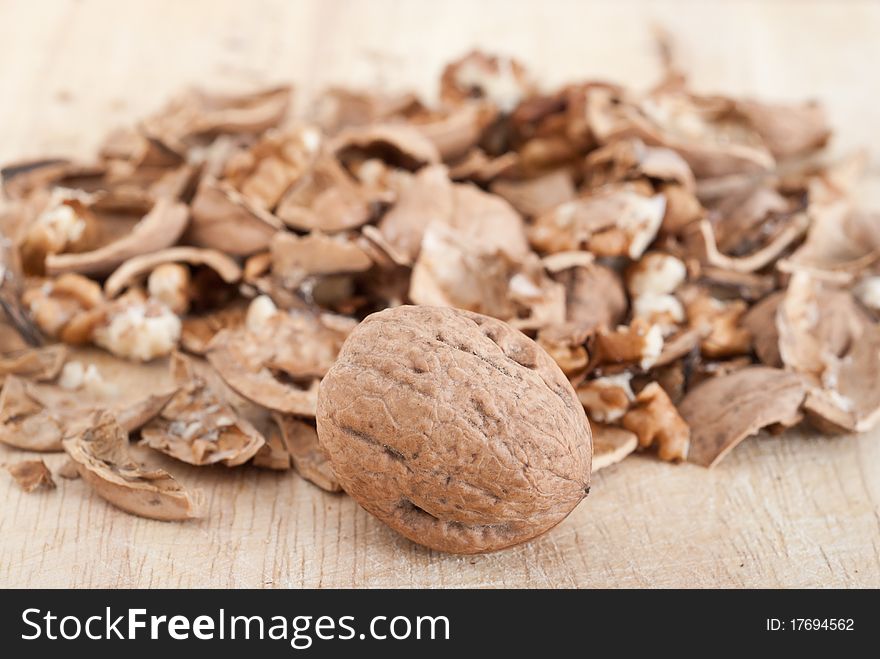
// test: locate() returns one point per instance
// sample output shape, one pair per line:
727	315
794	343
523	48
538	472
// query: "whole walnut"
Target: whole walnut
455	429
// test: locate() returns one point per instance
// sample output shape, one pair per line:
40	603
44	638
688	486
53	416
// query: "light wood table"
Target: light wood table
781	511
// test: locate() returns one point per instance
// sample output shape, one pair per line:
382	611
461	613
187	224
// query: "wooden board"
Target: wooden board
781	511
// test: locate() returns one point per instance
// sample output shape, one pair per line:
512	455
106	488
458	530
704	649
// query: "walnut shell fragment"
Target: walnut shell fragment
787	130
828	338
538	195
398	145
841	242
38	417
455	132
36	363
631	159
457	272
68	470
488	220
249	379
264	172
425	199
485	221
338	107
226	220
725	410
849	400
852	382
700	129
325	198
611	445
613	221
296	257
760	322
595	296
454	429
101	453
135	268
710	253
273	454
816	324
275	359
197	332
21	178
26	424
11	338
160	228
301	344
196	112
197	426
501	80
296	446
31	474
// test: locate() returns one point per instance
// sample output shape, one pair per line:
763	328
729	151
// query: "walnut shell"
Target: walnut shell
455	429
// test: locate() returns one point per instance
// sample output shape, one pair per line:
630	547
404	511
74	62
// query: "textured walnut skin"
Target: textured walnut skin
455	429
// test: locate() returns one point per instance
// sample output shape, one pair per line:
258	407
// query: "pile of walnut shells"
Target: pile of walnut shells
694	265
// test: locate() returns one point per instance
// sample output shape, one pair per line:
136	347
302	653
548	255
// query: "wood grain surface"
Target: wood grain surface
797	510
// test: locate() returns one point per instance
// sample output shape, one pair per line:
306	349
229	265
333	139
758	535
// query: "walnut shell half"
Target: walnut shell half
455	429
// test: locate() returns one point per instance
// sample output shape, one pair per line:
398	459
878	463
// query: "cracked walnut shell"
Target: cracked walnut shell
454	429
